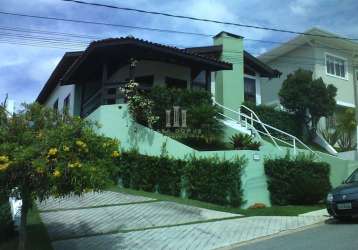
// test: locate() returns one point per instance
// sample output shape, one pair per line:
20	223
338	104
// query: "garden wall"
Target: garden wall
115	122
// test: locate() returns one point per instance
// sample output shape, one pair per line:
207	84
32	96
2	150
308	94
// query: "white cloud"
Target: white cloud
302	7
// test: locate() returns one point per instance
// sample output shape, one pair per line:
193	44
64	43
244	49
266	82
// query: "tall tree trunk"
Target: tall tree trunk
23	222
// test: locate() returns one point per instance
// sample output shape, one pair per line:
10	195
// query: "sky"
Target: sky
24	69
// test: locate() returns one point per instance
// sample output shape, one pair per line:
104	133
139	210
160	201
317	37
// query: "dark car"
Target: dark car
342	202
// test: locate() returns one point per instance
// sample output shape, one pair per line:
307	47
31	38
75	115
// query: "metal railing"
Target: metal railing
249	119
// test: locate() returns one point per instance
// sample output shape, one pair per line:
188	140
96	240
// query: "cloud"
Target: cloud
25	69
302	7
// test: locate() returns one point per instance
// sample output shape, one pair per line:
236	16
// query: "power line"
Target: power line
206	20
103	24
133	27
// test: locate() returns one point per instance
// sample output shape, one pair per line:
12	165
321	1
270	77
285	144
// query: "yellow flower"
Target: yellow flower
81	144
116	154
57	173
75	165
66	149
40	170
52	152
4	159
4	166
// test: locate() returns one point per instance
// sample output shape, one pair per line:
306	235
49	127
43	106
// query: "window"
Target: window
250	90
336	66
55	105
66	103
175	83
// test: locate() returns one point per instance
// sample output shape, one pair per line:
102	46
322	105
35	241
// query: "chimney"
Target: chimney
229	84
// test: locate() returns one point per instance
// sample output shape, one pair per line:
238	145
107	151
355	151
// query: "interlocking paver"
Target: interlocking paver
208	235
90	200
75	223
90	221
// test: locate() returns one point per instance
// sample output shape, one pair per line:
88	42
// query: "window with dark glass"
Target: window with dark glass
176	83
250	90
336	66
201	81
145	82
66	103
55	105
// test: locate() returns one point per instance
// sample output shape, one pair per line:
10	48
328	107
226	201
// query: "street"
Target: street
331	235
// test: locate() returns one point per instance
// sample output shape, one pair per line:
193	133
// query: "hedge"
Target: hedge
206	179
279	119
297	181
6	223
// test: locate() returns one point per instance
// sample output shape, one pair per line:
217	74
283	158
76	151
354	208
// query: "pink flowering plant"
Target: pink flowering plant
44	153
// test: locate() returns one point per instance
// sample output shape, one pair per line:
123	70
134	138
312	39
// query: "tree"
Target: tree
346	127
310	99
44	153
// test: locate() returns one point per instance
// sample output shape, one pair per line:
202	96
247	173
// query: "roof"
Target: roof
130	47
61	68
228	34
249	60
316	35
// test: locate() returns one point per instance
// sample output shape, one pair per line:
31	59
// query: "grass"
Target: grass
37	237
269	211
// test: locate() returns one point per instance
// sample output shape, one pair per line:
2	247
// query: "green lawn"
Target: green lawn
36	232
270	211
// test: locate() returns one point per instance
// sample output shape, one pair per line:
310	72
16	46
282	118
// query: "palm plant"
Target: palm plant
242	141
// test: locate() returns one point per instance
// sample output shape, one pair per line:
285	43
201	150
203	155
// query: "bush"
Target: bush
201	113
209	179
150	173
244	141
214	180
6	223
282	120
297	181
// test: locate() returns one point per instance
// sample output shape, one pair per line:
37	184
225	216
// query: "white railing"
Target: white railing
249	119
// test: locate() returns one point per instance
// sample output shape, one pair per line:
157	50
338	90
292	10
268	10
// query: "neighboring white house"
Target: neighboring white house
327	55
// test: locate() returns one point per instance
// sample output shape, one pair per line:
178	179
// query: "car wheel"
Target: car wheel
343	218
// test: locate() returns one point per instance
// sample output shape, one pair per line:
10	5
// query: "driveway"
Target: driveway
112	220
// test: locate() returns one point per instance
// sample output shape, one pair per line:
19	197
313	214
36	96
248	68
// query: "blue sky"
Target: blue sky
25	69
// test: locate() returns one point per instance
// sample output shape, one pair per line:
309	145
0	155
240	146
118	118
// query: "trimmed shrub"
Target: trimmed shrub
6	223
297	181
206	179
279	119
214	180
150	173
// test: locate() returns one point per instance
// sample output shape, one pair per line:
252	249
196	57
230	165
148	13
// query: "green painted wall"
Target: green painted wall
229	84
115	122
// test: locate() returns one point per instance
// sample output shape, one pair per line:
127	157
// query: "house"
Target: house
83	80
327	55
87	83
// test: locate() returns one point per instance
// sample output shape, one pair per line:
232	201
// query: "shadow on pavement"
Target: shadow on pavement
334	221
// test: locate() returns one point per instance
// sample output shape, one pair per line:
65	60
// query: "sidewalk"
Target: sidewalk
133	222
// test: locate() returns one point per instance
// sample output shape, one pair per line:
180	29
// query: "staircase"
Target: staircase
245	120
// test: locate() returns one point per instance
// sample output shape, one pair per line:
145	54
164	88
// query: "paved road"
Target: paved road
330	236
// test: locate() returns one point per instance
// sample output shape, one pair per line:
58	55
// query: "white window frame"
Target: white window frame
338	57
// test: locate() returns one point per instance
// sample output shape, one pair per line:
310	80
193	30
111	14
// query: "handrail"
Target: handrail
254	118
261	123
251	119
